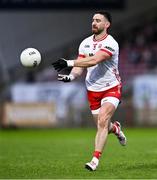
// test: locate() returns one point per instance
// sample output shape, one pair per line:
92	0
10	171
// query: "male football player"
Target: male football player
99	53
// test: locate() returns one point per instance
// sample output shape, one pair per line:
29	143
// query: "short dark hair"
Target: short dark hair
106	14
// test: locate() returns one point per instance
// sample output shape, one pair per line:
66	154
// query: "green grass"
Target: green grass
62	153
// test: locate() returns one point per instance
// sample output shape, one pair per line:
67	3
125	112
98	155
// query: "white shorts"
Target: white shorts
113	100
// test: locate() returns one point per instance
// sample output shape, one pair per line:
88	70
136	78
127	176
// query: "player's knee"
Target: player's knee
105	115
103	122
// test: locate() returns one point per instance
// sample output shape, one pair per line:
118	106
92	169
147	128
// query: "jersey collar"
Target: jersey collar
102	38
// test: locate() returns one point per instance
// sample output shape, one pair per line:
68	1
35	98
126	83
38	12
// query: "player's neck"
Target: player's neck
99	37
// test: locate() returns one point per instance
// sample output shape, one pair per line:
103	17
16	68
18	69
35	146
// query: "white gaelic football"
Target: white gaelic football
30	57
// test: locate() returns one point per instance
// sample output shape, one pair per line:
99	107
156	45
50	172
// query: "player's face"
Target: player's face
100	24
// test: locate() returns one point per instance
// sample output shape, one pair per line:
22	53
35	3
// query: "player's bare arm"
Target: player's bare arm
77	71
92	60
100	56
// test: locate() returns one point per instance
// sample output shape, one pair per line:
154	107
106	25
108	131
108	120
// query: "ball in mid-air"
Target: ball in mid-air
30	57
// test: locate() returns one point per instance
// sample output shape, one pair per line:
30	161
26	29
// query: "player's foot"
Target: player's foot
120	135
92	165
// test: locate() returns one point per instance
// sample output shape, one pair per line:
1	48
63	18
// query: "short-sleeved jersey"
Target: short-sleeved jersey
104	75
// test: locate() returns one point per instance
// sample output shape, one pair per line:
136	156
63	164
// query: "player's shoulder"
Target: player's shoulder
112	40
87	39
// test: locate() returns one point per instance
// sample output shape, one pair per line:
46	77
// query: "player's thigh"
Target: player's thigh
108	106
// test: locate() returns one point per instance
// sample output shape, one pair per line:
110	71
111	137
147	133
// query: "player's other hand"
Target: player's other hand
60	64
65	78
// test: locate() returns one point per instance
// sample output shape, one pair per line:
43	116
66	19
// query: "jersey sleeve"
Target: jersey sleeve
81	53
111	47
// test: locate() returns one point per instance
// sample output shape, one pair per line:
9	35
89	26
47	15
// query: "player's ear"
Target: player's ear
108	24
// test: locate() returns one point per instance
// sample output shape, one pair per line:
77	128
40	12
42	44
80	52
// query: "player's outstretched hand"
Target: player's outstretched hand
60	64
65	78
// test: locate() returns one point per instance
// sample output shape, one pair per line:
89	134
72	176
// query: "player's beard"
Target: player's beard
97	31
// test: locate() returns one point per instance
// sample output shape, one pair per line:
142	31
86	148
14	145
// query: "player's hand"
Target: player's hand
60	64
65	78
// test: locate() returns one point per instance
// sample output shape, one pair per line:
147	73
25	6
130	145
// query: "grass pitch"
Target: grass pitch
62	153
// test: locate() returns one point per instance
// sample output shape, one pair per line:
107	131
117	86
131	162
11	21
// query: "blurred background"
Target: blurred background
34	97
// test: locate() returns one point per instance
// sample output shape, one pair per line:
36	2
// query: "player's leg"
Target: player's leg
105	113
102	110
114	128
115	100
95	117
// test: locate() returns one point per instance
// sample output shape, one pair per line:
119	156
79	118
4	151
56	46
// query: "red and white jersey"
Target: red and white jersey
104	75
